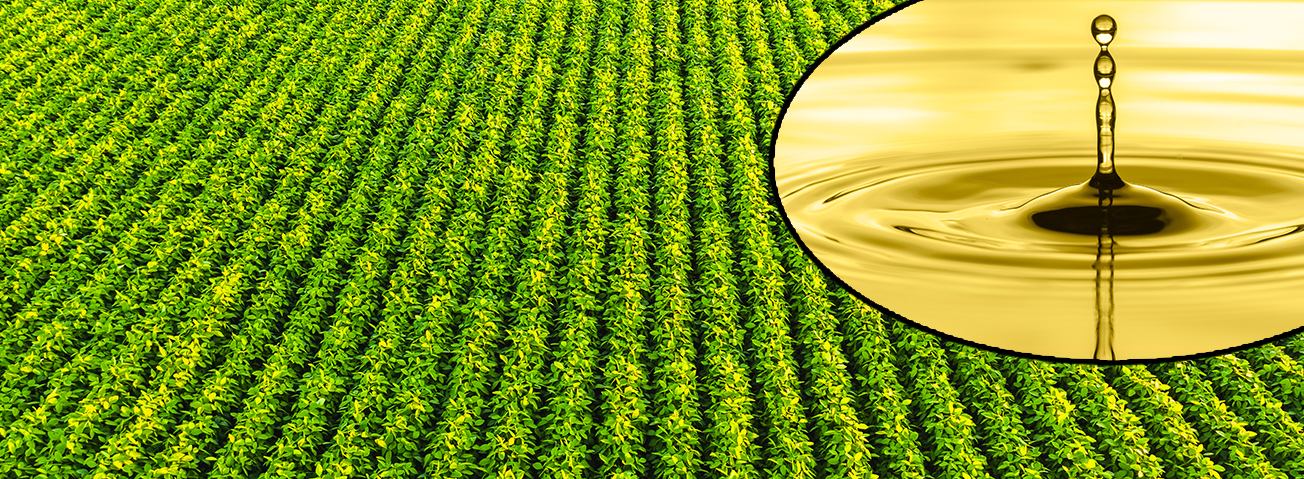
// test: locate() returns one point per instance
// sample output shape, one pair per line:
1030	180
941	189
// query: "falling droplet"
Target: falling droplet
1103	28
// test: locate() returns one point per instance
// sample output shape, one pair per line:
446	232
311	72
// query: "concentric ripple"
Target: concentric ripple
943	230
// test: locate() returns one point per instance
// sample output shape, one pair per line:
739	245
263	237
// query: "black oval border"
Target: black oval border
778	203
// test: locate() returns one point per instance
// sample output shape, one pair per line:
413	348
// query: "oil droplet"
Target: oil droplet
1104	69
1103	28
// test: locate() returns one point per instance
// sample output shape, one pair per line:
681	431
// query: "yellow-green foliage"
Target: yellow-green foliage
495	239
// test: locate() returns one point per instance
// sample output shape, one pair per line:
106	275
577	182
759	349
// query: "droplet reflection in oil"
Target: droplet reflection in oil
931	172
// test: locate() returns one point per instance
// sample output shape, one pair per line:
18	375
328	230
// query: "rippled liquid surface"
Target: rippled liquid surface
912	169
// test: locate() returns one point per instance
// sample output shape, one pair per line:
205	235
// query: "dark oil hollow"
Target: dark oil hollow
1120	220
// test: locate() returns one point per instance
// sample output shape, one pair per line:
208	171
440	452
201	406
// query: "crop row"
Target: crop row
463	238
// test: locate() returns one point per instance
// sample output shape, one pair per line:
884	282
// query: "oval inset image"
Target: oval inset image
1091	182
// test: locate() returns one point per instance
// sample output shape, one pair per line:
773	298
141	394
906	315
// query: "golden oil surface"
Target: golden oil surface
912	159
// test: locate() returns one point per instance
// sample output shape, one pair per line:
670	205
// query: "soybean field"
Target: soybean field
496	239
